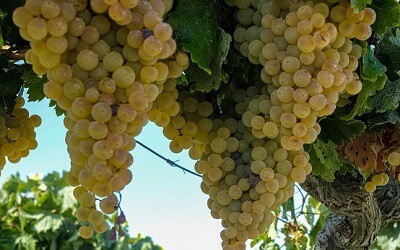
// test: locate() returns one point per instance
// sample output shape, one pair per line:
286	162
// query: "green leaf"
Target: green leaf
364	102
339	131
359	5
290	244
1	37
196	23
34	83
324	159
388	98
11	82
59	111
144	244
309	214
267	240
288	207
26	242
375	120
49	222
389	51
201	81
9	30
373	77
319	225
347	166
323	213
388	238
372	68
68	200
387	15
302	243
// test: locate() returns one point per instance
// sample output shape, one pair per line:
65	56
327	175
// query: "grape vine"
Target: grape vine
114	65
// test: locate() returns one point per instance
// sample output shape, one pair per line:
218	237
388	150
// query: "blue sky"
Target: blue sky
161	202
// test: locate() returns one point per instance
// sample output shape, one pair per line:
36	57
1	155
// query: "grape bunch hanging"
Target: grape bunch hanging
17	133
107	63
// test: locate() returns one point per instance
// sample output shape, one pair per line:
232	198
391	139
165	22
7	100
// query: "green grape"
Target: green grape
21	17
86	199
108	205
370	187
82	213
96	218
85	232
57	26
87	59
50	9
394	158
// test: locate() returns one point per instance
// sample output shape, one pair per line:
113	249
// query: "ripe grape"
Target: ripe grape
85	232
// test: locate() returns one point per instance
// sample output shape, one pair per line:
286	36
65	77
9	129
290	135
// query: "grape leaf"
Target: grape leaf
375	120
339	131
359	5
240	70
34	83
49	222
347	166
57	109
374	78
67	197
26	241
1	38
371	66
365	151
388	98
387	15
145	243
10	31
388	238
363	102
201	81
324	159
11	82
196	23
323	212
389	51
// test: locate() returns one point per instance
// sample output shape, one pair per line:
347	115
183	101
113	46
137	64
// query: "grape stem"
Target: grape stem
119	202
170	162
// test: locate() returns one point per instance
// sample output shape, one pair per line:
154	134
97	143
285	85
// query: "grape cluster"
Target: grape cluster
189	128
377	180
309	60
17	133
107	63
245	175
382	179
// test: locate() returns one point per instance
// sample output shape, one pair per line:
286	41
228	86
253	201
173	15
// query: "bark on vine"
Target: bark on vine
357	216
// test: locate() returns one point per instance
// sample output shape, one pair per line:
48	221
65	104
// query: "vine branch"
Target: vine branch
357	216
170	162
15	54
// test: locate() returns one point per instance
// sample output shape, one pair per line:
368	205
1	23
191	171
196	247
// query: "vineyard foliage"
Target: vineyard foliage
37	212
